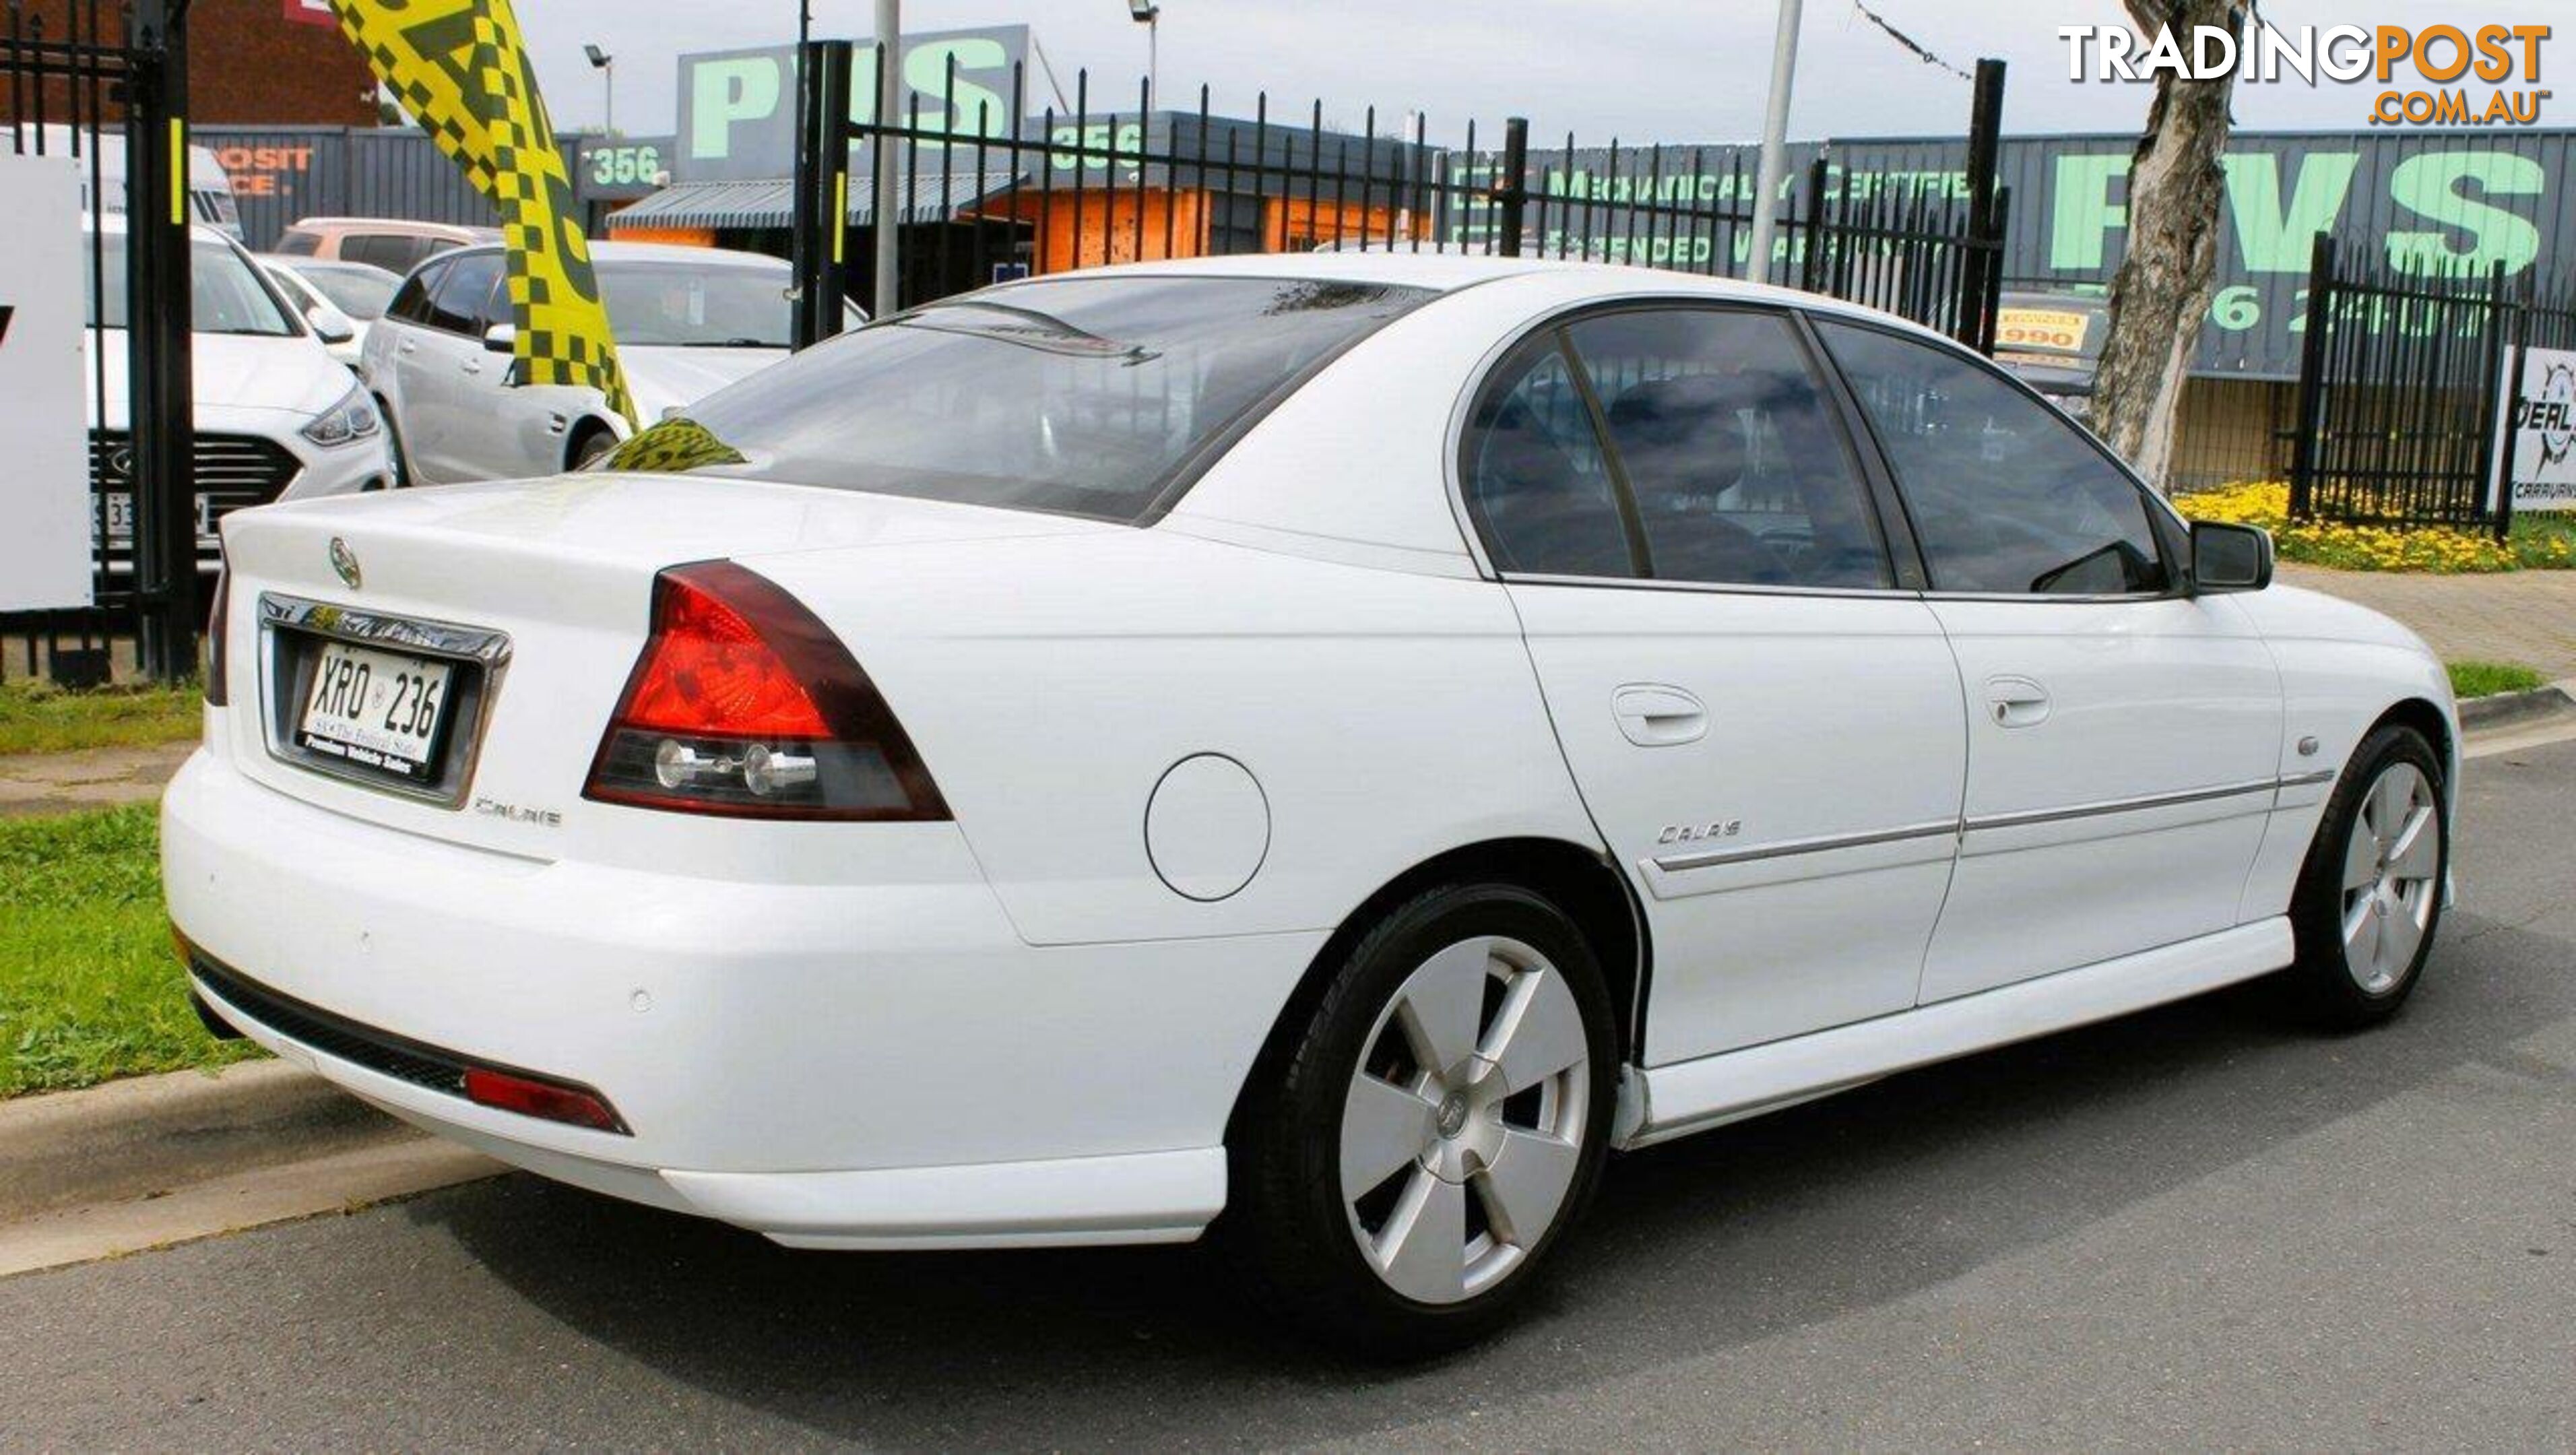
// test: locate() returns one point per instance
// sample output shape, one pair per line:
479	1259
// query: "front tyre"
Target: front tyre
1438	1122
2370	896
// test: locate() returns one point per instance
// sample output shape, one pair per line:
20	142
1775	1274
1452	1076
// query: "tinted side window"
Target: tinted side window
1536	483
411	300
296	243
460	299
1739	472
2006	496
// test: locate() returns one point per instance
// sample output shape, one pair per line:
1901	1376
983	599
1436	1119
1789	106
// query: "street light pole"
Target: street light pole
888	295
606	64
1775	141
1150	15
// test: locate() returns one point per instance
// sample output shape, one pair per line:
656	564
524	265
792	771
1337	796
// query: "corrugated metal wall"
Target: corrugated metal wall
282	173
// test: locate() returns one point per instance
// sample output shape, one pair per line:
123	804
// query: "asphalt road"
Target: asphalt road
2191	1227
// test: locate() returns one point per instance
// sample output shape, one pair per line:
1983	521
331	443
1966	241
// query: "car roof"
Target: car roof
307	263
616	252
398	225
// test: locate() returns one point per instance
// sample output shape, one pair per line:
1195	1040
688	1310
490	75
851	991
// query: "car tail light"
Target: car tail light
553	1101
217	616
743	703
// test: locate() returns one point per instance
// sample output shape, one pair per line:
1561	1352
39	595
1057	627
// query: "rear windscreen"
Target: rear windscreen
1081	396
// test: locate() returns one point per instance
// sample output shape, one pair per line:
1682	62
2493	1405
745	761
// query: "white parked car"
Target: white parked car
339	299
1343	742
277	418
687	320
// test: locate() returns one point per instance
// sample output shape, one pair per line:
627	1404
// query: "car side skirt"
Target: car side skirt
1660	1103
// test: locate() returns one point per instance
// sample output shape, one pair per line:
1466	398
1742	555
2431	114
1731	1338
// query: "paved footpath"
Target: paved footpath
2523	617
34	783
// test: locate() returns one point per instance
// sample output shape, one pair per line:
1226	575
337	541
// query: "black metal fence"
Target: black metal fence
2402	377
105	84
1023	191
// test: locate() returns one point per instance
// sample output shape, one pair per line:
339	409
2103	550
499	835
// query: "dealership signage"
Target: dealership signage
620	168
44	494
738	108
2432	205
2536	462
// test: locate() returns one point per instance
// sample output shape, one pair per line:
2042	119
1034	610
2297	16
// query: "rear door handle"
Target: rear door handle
2016	702
1652	715
408	346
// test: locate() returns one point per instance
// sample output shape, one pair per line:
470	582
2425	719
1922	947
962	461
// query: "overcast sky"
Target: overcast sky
1658	70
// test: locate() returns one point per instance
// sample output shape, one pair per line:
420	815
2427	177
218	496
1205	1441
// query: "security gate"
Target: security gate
2403	378
105	85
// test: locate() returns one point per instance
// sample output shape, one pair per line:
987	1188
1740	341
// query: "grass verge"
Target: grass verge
88	988
2537	542
38	717
2486	679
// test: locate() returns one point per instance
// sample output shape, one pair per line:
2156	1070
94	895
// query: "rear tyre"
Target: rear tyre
2370	895
1405	1165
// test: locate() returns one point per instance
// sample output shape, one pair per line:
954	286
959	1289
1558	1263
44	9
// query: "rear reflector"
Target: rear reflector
547	1100
743	703
218	618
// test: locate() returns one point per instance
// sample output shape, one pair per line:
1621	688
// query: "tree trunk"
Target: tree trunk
2166	278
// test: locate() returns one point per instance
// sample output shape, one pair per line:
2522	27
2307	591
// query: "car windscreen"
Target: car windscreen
361	293
224	295
681	305
1080	396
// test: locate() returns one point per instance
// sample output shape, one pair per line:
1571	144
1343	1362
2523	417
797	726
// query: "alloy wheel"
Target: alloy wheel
2391	861
1463	1128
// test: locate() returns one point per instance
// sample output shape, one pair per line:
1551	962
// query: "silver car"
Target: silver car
687	320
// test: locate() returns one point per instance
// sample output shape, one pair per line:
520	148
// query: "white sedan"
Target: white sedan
1340	742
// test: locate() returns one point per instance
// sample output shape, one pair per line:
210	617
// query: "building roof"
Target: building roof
771	202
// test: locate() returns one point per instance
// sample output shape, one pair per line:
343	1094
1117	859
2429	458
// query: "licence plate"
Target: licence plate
379	711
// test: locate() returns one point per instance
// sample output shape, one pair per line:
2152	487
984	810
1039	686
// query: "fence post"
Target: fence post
1511	191
2312	361
1985	147
1811	257
821	191
161	404
2500	411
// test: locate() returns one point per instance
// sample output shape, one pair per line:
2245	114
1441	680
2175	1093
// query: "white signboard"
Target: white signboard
44	449
2537	462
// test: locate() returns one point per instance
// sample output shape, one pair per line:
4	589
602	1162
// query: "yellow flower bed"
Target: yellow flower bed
2343	547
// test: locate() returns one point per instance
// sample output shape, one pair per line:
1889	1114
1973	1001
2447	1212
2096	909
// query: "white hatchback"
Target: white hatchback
687	320
1339	742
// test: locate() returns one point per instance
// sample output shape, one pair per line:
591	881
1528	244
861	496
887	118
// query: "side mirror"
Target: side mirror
2229	557
331	328
501	338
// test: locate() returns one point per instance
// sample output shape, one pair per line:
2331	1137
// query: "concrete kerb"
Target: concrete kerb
2516	711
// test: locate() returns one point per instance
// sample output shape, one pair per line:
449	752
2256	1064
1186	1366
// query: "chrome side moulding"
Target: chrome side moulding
1679	863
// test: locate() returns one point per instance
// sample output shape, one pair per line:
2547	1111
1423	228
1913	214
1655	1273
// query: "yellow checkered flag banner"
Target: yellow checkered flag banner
458	67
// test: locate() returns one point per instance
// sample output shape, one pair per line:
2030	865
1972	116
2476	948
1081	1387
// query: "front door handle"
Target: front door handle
408	346
1655	716
2016	702
473	366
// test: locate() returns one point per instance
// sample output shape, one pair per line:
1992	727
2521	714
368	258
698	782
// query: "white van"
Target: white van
210	189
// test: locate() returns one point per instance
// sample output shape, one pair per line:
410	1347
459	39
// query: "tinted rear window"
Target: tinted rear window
1080	396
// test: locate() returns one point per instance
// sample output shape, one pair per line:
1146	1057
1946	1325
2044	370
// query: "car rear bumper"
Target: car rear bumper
834	1066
